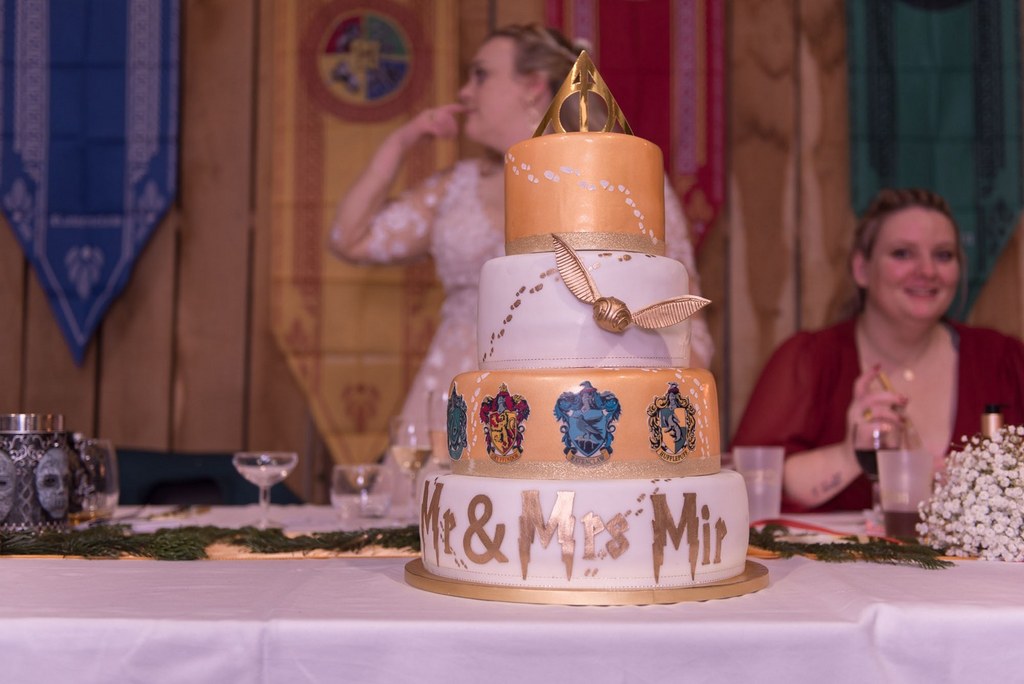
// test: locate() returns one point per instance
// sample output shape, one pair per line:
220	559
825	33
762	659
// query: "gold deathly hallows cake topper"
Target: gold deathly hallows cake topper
612	314
584	79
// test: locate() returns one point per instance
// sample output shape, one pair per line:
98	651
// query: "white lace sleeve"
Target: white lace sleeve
679	247
401	230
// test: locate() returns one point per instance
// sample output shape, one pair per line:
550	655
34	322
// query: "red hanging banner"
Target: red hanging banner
665	62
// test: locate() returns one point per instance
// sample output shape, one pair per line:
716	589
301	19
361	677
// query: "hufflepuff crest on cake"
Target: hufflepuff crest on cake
504	416
588	423
673	425
457	424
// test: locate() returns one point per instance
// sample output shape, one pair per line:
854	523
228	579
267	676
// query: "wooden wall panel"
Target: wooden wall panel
212	304
53	383
12	304
1001	302
825	219
134	402
763	192
277	416
712	266
518	12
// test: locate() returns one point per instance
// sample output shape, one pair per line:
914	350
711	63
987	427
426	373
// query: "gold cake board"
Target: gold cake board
753	578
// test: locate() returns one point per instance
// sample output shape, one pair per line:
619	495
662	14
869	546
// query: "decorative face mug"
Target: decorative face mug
35	472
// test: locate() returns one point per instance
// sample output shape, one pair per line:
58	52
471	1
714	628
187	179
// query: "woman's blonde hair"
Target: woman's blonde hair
541	49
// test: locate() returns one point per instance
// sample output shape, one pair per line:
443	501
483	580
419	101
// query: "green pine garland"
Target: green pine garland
190	543
876	550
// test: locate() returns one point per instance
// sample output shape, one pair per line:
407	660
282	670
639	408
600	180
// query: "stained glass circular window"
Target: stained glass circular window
367	62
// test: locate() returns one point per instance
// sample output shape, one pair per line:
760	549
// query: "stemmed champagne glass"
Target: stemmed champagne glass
410	448
265	469
869	436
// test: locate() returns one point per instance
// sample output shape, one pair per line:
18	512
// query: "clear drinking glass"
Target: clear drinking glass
869	436
437	419
761	468
97	486
361	490
265	469
410	448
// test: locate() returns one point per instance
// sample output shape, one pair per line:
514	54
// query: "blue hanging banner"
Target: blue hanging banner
89	126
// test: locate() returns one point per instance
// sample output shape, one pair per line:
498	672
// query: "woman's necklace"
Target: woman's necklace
904	366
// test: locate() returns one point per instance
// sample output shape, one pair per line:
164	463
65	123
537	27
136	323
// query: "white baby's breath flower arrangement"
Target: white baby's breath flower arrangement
979	509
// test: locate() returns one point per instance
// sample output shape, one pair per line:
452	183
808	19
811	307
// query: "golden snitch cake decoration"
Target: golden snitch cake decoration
610	313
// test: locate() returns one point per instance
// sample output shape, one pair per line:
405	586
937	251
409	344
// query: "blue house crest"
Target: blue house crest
457	422
588	428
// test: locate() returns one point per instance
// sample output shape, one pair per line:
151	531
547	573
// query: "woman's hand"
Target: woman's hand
436	122
869	402
368	195
813	477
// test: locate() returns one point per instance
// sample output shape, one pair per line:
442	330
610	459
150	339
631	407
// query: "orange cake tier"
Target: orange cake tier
584	423
595	190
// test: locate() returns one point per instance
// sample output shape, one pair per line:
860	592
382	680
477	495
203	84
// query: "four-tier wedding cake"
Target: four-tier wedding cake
585	453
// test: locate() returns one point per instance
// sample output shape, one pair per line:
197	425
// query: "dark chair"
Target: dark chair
159	478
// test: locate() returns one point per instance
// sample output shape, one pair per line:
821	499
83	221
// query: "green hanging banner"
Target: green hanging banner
935	102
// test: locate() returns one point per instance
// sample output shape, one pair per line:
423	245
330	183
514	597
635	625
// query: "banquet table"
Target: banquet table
356	619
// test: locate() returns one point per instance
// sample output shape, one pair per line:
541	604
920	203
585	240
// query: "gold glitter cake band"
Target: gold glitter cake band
609	470
613	242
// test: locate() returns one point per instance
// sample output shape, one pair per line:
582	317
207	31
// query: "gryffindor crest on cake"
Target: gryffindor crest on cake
585	453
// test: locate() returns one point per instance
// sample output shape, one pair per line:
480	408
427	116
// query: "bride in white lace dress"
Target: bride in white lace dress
457	215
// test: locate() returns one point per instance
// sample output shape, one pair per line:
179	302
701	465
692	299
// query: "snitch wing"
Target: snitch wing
574	272
669	312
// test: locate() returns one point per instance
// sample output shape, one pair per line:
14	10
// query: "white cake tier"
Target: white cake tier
529	319
595	535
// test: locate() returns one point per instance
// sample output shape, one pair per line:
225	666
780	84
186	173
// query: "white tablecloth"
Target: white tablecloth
357	620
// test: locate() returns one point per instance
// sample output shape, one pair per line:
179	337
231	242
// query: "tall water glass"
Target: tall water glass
761	468
906	477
